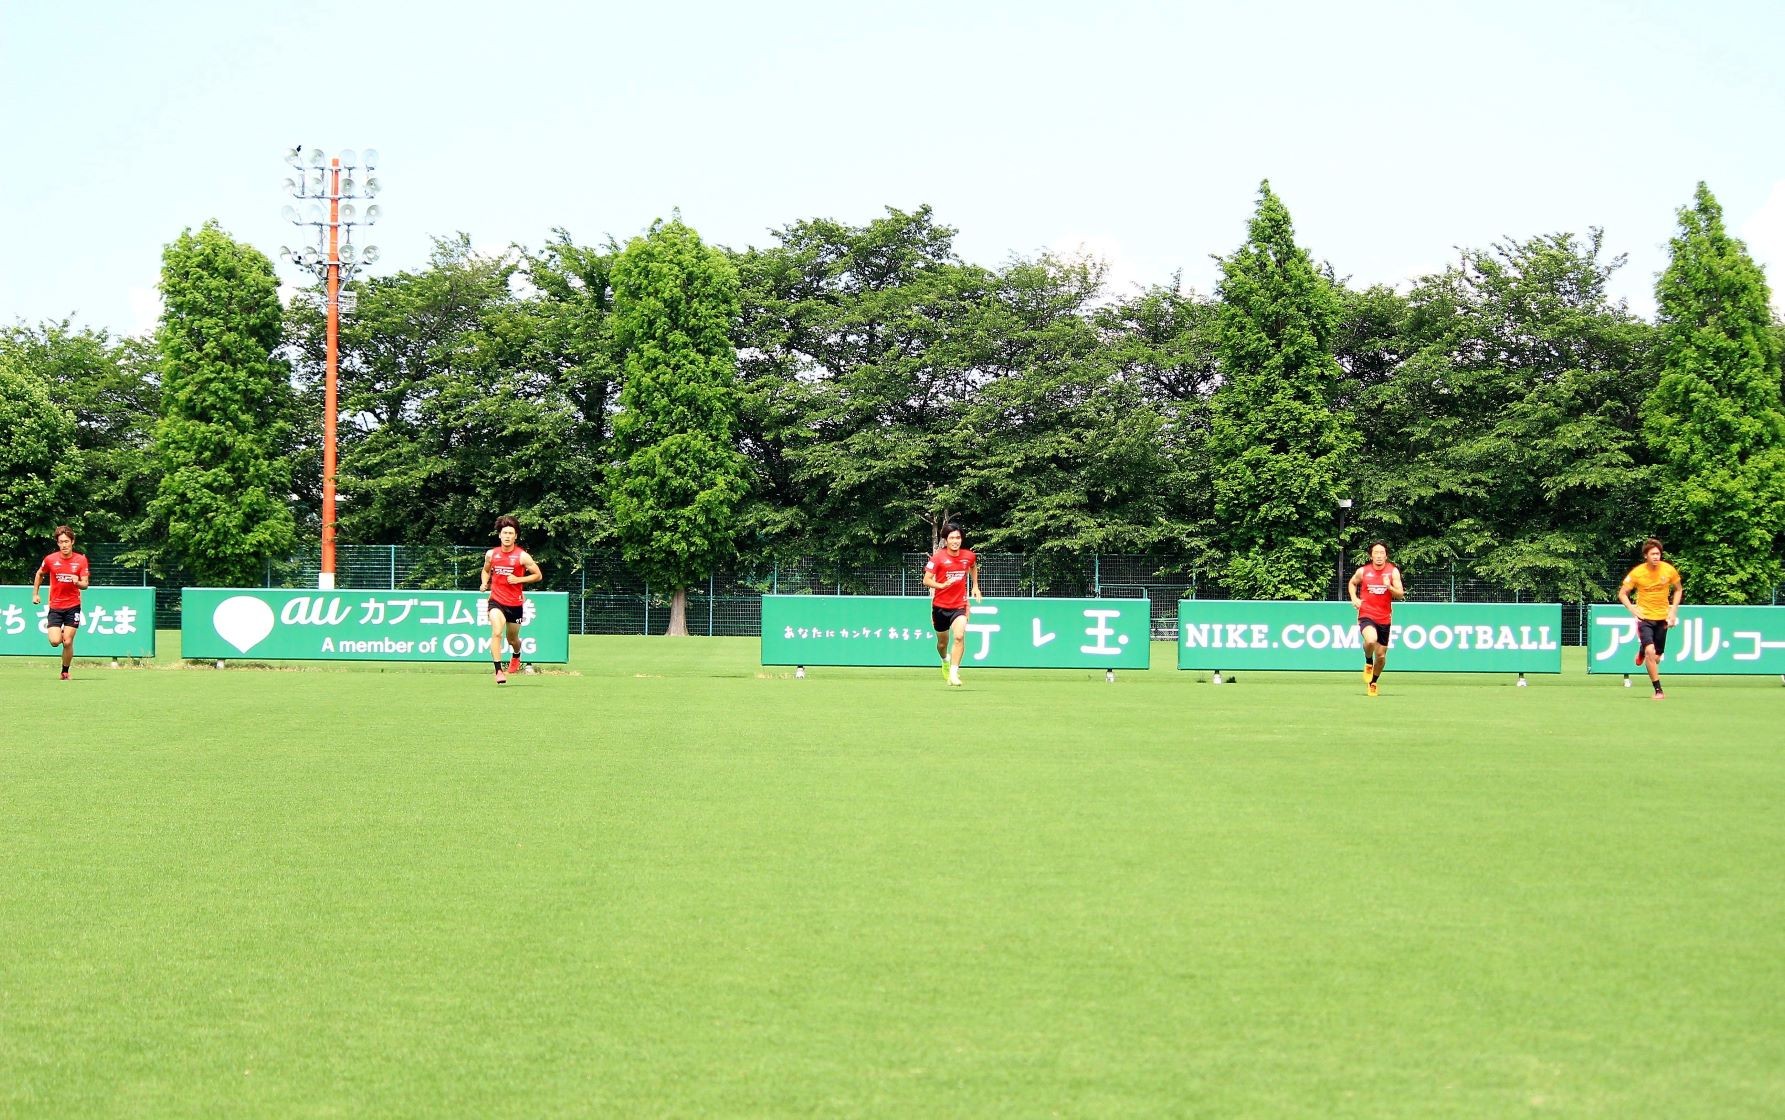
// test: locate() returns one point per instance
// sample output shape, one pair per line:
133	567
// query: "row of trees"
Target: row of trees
840	392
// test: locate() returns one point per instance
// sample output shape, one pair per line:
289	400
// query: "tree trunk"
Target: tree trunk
678	614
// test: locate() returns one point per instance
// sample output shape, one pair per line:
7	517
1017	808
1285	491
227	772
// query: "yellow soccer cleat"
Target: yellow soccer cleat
1368	676
1372	689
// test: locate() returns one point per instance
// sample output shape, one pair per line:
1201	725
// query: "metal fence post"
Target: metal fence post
709	604
647	629
1097	575
775	580
393	567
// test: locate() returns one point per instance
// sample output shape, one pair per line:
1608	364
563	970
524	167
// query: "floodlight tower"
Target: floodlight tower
333	260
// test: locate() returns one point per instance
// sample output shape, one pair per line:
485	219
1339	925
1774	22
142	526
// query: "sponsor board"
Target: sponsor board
1425	637
305	625
115	622
1731	641
895	630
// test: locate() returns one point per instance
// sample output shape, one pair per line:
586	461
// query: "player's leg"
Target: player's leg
498	624
1369	634
942	628
68	633
1382	637
514	644
957	631
1654	645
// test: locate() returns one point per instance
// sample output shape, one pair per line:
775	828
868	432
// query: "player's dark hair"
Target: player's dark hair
1652	542
507	521
1374	545
63	531
952	527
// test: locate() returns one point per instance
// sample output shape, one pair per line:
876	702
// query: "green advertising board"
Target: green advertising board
115	622
220	623
895	630
1425	638
1727	641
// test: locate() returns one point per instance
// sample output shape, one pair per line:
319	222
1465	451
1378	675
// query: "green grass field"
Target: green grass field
669	882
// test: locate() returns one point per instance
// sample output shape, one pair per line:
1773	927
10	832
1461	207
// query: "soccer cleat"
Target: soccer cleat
945	670
65	674
1372	689
954	680
501	677
1369	674
1639	657
1659	695
514	663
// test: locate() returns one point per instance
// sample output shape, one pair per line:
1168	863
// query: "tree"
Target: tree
113	391
220	506
677	483
37	464
1714	419
1281	455
859	351
1506	438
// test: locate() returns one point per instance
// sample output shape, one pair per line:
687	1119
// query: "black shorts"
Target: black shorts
70	618
1653	632
942	618
1382	629
512	614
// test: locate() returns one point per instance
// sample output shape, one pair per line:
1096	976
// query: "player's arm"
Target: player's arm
86	577
483	581
36	586
973	575
1351	588
1395	588
1674	599
534	575
1624	598
929	578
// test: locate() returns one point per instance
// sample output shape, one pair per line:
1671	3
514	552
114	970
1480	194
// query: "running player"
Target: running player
1657	607
947	575
1374	589
506	570
68	574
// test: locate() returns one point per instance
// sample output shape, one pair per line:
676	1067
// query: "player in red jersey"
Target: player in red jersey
506	570
947	575
1374	589
69	575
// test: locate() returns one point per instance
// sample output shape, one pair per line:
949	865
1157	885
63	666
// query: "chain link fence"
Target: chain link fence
608	596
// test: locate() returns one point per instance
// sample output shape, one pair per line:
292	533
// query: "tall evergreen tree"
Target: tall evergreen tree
1281	454
1714	419
678	483
220	509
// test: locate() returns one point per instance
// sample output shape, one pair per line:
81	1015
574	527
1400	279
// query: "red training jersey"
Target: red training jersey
952	571
1378	605
504	563
65	579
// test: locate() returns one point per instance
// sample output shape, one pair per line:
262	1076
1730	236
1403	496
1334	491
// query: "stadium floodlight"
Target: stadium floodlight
334	262
373	213
372	187
370	159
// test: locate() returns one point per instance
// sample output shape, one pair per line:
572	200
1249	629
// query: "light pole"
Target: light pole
334	259
1344	508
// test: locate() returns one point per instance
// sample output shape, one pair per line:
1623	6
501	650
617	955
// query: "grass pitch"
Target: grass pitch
672	883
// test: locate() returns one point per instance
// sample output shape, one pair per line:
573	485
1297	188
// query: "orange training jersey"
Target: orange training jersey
505	563
65	579
1652	589
1377	603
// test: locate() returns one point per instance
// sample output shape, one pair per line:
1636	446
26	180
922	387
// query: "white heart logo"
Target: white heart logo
243	621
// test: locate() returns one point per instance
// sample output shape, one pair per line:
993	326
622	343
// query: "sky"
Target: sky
1137	132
